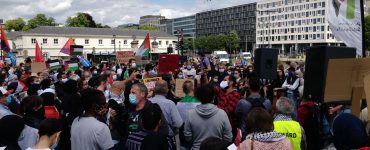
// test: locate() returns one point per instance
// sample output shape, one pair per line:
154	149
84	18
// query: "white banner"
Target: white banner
345	22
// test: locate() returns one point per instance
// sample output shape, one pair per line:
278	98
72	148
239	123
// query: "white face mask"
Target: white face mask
95	72
224	84
114	77
64	80
133	65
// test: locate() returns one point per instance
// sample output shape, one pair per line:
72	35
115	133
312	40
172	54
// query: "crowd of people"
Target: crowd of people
107	106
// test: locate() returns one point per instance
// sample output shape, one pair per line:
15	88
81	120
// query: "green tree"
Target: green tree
81	20
40	20
233	41
188	44
367	32
15	24
99	25
147	27
222	40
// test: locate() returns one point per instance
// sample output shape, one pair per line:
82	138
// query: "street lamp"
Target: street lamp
114	39
119	46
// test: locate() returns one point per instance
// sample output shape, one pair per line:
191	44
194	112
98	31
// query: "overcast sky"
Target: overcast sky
111	12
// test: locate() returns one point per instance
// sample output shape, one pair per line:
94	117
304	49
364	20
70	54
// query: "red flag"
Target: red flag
38	54
67	47
4	41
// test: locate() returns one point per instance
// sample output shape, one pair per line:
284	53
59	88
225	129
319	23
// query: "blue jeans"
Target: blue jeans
293	99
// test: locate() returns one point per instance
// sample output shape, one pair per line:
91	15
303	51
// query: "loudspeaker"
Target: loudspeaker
317	59
265	63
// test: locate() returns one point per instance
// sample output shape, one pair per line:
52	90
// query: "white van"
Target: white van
246	55
221	56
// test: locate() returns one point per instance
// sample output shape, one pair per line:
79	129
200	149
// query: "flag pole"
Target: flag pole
363	28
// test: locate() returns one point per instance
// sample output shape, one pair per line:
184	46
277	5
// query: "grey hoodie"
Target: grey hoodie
205	121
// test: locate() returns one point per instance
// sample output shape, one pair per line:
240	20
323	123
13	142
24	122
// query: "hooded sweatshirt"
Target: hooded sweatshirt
205	121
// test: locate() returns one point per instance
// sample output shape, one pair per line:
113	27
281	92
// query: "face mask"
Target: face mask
8	100
188	67
64	80
6	80
221	70
52	86
114	77
215	80
133	65
132	99
250	70
229	72
95	72
224	84
55	145
180	76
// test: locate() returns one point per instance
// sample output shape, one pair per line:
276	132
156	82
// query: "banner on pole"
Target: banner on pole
345	22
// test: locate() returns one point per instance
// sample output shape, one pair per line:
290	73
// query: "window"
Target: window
125	42
45	41
55	41
112	41
166	42
100	42
33	41
160	43
86	41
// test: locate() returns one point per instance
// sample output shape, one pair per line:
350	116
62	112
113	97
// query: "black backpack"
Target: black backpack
256	102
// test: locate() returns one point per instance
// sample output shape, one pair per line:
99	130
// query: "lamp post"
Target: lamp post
119	46
114	39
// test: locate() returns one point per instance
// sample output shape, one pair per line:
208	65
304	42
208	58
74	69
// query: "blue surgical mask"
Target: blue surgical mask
8	100
55	145
180	76
132	99
188	67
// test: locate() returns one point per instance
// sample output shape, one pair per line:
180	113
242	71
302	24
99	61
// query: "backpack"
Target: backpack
256	102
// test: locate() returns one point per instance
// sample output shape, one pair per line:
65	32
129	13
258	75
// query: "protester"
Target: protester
349	132
148	136
49	132
50	103
116	92
11	127
206	120
262	135
284	124
87	133
291	85
139	102
213	143
244	106
4	102
168	107
228	98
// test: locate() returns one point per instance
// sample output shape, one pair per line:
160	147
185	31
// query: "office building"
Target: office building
150	20
240	18
293	25
176	25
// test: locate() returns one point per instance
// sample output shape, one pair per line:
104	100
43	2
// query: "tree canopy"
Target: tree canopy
39	20
15	24
81	20
218	42
367	32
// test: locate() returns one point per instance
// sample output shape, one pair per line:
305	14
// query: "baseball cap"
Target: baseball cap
4	92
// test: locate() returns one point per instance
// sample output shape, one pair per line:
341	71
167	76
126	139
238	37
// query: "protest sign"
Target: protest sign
179	83
150	84
168	63
124	56
37	67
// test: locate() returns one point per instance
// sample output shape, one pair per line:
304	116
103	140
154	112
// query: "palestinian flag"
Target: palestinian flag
71	66
54	65
144	49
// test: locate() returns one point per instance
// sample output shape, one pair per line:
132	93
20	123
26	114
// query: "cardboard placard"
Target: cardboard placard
141	61
168	63
179	83
342	76
37	67
124	56
150	83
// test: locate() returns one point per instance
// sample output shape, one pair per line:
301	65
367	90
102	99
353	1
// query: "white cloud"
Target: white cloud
111	12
